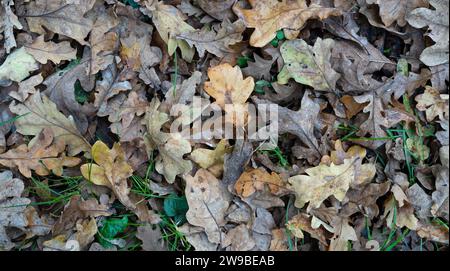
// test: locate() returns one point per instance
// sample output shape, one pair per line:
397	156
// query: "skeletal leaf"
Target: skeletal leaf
309	65
269	16
43	51
44	155
208	201
38	112
111	170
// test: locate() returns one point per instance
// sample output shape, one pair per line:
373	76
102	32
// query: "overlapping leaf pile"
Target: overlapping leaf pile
87	88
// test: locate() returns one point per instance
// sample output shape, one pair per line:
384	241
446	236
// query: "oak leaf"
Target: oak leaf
43	51
208	201
269	16
255	179
38	112
228	86
396	10
433	103
111	170
9	22
207	158
44	154
323	181
309	65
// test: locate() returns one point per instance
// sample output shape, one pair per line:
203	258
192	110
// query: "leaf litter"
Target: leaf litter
87	95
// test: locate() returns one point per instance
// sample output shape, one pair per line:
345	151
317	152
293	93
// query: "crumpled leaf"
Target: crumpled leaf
228	86
43	51
308	65
302	222
64	17
171	146
45	155
18	66
111	170
208	201
300	123
60	89
38	113
269	16
207	158
9	22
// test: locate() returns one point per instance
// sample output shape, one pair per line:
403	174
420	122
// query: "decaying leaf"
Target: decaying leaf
208	201
44	155
111	170
38	113
269	16
43	51
308	65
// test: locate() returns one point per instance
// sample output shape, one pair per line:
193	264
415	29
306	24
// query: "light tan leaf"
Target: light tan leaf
302	222
269	16
39	113
43	51
207	158
228	86
342	235
45	155
9	22
18	66
396	10
433	103
208	200
323	181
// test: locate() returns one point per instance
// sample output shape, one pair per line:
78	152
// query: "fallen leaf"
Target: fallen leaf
228	85
44	156
302	222
207	158
64	17
309	65
10	21
208	201
18	66
111	170
269	16
255	179
38	113
152	239
395	11
433	103
44	51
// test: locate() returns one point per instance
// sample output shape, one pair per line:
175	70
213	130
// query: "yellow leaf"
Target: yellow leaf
112	163
207	158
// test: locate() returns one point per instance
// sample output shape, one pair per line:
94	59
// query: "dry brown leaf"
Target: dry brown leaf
256	179
44	51
38	113
433	103
208	201
44	156
228	85
269	16
302	222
